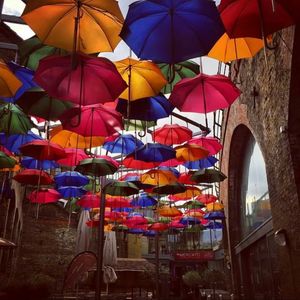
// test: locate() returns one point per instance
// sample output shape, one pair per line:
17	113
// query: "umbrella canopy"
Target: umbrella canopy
151	152
174	162
189	152
157	226
96	167
176	224
90	81
208	176
213	225
168	189
44	196
214	215
9	83
143	200
207	198
172	134
170	169
31	163
73	157
71	178
227	49
204	93
146	109
201	164
195	212
191	192
71	191
43	150
186	178
170	31
192	205
158	177
132	163
89	201
188	220
121	188
115	202
96	28
292	6
33	177
168	211
209	143
13	120
144	78
6	161
92	120
214	206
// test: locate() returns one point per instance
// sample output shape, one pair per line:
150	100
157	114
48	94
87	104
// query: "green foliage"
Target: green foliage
192	278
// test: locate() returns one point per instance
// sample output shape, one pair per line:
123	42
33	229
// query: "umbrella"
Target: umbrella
4	149
124	143
44	196
89	201
71	191
118	201
175	72
214	215
157	226
137	125
174	162
214	225
209	143
143	200
144	78
214	206
188	220
13	120
204	93
6	161
96	28
150	233
207	198
33	177
192	205
15	141
195	212
71	178
43	150
292	6
169	211
227	49
171	188
171	31
204	163
176	224
172	134
92	120
158	177
69	139
191	192
134	221
31	163
170	169
186	178
208	176
73	157
147	109
135	179
9	82
131	162
151	152
121	188
96	167
90	81
189	152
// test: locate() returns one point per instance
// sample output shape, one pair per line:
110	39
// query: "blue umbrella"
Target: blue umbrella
172	31
71	178
146	109
151	152
125	144
214	225
143	200
214	215
31	163
171	169
150	233
123	209
71	191
188	220
25	75
201	163
14	141
136	180
136	231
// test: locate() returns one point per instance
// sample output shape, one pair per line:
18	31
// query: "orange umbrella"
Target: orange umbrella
96	28
189	152
215	206
9	83
167	211
158	177
191	192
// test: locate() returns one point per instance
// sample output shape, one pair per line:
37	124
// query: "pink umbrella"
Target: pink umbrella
176	224
209	143
44	196
174	162
109	159
206	198
73	157
136	220
90	80
89	201
158	226
92	120
117	202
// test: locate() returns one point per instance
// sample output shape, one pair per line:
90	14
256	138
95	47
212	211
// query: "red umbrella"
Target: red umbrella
206	198
185	178
91	80
92	120
73	157
292	6
43	150
130	174
44	196
33	177
176	224
172	134
254	18
204	93
130	162
136	220
109	159
89	201
117	202
174	162
5	150
209	143
158	226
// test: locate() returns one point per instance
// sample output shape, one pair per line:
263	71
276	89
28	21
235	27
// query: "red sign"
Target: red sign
203	255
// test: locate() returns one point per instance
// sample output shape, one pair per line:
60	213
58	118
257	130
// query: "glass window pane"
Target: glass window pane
13	7
22	30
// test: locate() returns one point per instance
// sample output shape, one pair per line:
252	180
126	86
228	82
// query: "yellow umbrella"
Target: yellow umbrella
227	49
190	152
89	26
191	192
167	211
144	78
158	177
216	206
9	83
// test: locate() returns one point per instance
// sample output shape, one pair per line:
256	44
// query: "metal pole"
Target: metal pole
157	264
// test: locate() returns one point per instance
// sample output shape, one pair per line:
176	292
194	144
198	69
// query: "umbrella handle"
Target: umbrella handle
269	46
140	134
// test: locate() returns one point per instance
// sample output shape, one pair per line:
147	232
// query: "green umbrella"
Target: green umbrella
138	125
39	104
96	167
170	189
121	188
191	204
174	73
6	161
13	120
208	176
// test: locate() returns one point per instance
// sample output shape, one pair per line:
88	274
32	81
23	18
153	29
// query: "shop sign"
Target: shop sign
195	255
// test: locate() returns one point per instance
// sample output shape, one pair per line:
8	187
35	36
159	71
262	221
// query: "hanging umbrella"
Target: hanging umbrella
15	141
186	178
171	188
115	202
175	172
147	109
157	226
135	221
132	163
43	150
135	179
96	28
31	163
175	72
188	220
291	6
69	139
33	177
143	200
208	176
176	225
121	188
172	134
9	83
214	206
189	152
4	149
171	31
191	192
195	212
174	162
13	120
169	211
137	125
92	120
44	196
158	177
207	198
214	215
213	225
192	204
209	143
92	80
124	143
227	49
204	93
73	157
151	152
89	201
71	178
204	163
6	161
71	191
144	78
